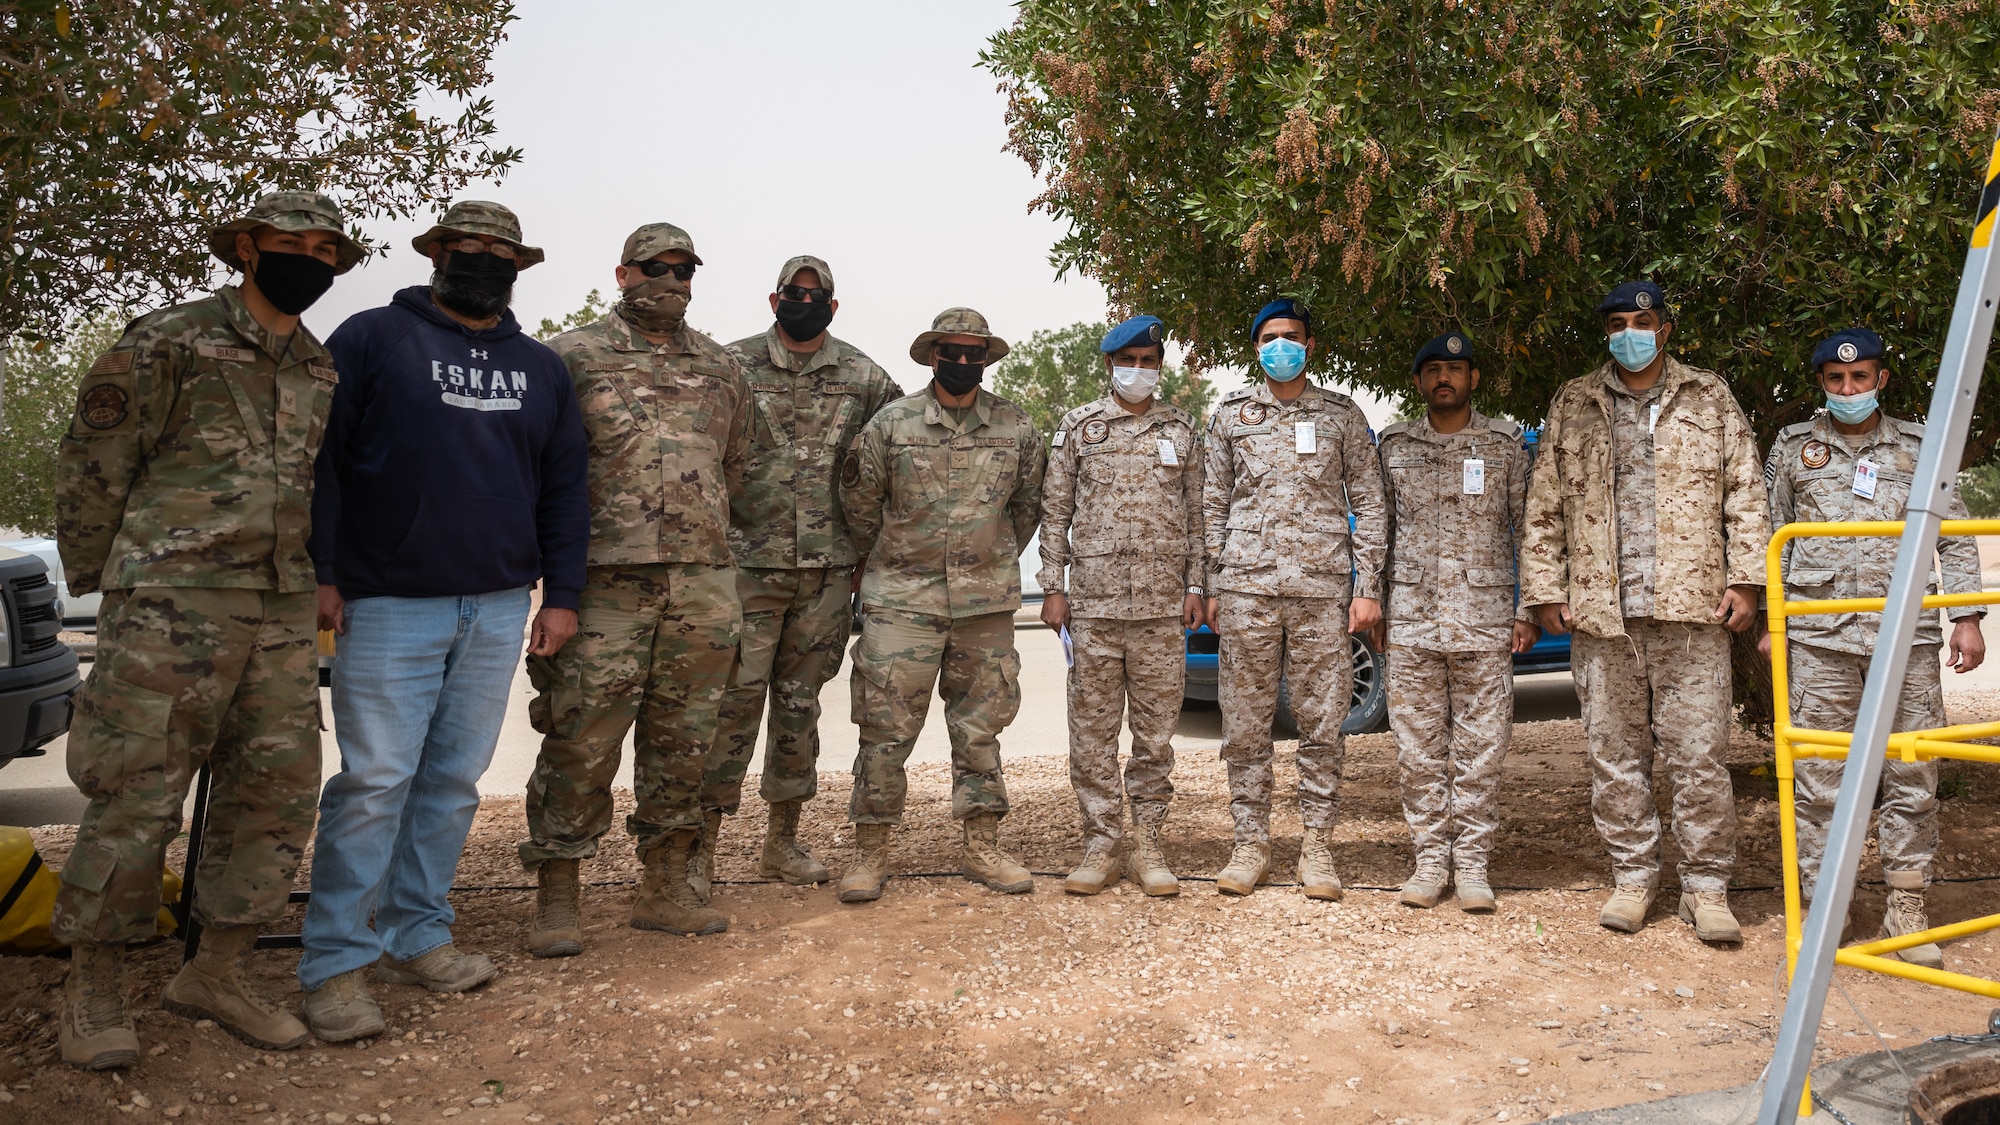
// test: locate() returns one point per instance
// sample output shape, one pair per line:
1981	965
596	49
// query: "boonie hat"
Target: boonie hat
478	217
806	262
958	321
1451	345
1140	330
1848	346
655	239
291	211
1635	296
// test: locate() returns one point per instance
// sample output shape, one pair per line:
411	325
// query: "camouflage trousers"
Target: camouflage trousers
1453	714
653	648
1135	667
794	626
1304	641
1663	689
976	671
1826	695
186	676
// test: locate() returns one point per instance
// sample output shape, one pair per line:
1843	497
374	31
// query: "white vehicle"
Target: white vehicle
78	613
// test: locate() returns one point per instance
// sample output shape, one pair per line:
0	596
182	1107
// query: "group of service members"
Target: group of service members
1283	524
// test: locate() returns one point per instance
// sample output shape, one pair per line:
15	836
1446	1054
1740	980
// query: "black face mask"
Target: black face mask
958	378
804	320
291	282
474	285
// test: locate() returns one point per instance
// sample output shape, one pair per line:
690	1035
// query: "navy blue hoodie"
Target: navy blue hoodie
454	460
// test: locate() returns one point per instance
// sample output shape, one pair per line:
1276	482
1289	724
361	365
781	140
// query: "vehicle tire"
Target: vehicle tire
1367	708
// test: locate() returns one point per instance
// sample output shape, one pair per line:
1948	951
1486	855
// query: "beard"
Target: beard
477	302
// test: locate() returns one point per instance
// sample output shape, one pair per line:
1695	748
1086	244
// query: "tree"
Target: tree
593	310
1060	369
1783	168
42	400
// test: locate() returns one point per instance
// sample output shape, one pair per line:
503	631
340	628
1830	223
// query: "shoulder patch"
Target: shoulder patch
1239	392
1815	455
1796	429
1391	430
112	363
1503	426
1251	413
1182	416
104	406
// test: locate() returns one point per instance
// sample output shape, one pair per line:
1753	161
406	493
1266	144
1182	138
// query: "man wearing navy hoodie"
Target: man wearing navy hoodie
450	481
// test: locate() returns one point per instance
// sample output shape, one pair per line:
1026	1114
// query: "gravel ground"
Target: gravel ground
945	1001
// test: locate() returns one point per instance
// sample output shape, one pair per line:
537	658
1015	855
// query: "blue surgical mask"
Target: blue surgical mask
1634	348
1851	408
1282	359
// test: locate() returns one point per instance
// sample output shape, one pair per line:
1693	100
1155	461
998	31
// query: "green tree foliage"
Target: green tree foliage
1980	487
41	397
131	126
593	310
1057	370
1782	167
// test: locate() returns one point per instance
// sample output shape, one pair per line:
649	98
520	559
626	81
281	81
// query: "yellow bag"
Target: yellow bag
28	897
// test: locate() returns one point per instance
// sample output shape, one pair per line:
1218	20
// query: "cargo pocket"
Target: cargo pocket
1007	701
125	748
557	709
1492	590
1244	548
868	686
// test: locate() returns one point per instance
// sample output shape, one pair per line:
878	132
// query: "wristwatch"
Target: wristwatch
1194	589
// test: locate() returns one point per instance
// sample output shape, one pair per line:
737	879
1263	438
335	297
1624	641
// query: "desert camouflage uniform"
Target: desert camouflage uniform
183	493
1283	565
795	560
1450	609
1122	511
658	623
940	506
1640	524
1810	474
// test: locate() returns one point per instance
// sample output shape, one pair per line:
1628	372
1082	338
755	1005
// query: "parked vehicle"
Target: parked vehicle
37	671
79	613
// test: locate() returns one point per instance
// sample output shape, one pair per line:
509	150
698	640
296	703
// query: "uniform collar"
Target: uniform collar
784	357
1422	430
623	337
1262	393
299	348
1886	431
936	415
1111	406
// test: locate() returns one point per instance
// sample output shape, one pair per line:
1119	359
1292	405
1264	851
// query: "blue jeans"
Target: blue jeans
419	691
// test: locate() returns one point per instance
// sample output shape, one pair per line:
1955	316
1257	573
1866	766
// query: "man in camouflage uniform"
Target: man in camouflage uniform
668	414
1855	463
1646	531
795	562
183	493
1287	463
1121	511
941	491
1457	483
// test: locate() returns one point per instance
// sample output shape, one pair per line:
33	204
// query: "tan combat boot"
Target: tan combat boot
701	865
96	1031
869	872
1625	911
1708	912
1316	866
343	1009
666	901
1146	862
1474	895
1426	884
1247	866
1905	915
214	986
784	857
986	863
1098	871
556	930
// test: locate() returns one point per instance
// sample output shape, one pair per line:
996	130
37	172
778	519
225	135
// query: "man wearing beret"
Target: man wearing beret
1286	464
1646	534
1457	486
941	491
668	413
795	563
183	494
1854	462
1121	515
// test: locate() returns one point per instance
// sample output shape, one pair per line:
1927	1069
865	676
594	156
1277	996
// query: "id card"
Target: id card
1475	476
1168	454
1864	479
1653	418
1305	439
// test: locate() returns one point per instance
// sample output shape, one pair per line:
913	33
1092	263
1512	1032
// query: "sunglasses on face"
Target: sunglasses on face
651	268
801	293
962	353
474	246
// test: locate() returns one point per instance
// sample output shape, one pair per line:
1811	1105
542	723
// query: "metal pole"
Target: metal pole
1944	441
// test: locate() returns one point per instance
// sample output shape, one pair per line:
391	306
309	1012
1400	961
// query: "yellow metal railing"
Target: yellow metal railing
1909	746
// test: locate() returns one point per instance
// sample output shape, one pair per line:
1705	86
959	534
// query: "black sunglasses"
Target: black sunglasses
801	293
962	353
682	270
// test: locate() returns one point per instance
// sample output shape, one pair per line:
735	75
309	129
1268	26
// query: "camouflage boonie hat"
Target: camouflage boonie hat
293	211
806	262
956	322
476	216
655	239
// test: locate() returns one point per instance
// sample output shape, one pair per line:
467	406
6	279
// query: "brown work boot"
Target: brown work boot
784	857
666	899
214	986
869	872
1426	884
1474	896
1625	911
986	863
701	865
343	1009
1098	871
96	1032
1247	866
1146	862
556	930
1905	915
443	969
1316	866
1708	912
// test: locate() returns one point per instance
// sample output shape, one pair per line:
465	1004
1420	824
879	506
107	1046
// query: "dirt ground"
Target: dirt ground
945	1001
